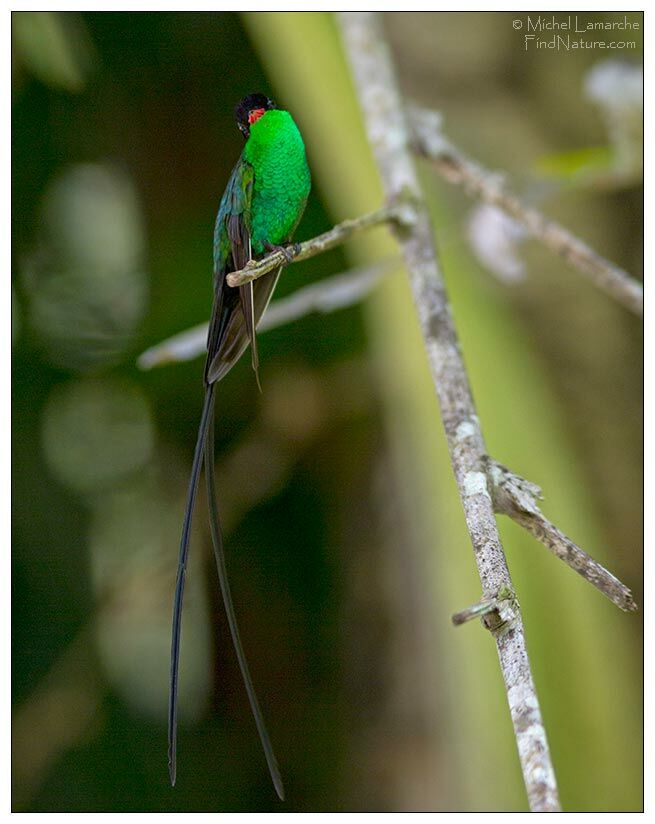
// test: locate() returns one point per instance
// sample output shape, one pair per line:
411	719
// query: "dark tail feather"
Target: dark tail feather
217	540
203	429
248	307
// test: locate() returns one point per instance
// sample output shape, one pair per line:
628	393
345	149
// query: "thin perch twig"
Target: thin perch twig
517	498
327	295
321	243
456	168
388	132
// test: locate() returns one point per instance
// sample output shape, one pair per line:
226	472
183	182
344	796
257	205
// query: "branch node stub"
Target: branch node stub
427	135
404	211
479	610
501	620
497	614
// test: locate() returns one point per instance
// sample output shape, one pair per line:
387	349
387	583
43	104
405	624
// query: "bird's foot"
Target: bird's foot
289	251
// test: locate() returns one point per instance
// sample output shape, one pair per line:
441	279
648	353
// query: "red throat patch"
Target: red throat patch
254	115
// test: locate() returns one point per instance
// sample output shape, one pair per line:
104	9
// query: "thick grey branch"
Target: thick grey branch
455	167
388	133
517	498
328	240
328	295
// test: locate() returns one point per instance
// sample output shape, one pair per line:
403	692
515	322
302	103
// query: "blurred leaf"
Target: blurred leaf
133	545
95	432
55	47
617	88
578	165
85	281
495	239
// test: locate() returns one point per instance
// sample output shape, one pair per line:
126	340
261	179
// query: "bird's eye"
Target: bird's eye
254	115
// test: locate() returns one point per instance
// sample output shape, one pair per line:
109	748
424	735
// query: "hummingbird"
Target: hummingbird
260	209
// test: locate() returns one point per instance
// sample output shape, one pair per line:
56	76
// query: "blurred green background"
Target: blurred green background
346	545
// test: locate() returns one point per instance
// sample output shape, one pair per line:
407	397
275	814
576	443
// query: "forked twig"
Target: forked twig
517	498
490	187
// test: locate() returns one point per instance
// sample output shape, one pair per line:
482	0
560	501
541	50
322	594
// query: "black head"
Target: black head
250	109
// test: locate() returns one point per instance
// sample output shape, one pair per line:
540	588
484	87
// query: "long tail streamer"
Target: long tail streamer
205	449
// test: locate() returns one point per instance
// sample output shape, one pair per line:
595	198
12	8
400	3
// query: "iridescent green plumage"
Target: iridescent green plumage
260	208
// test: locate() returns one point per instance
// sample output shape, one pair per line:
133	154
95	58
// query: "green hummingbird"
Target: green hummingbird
260	209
